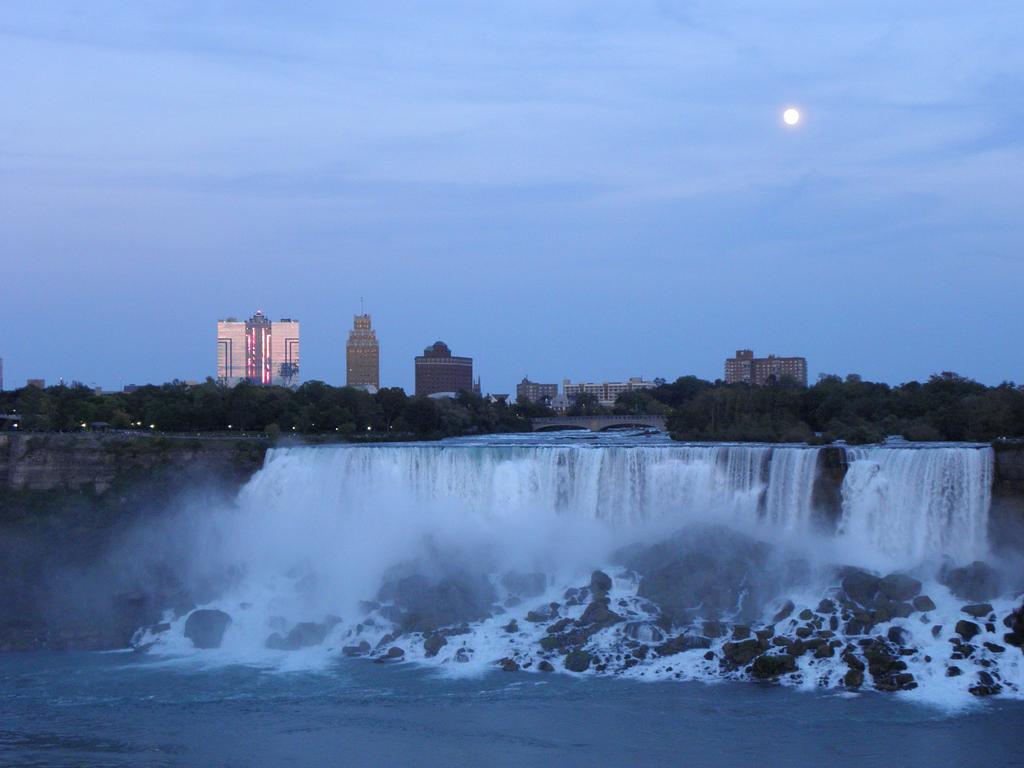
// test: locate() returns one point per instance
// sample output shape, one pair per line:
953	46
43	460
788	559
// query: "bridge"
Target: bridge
598	423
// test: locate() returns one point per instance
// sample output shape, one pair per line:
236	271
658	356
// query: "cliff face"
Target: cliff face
98	462
68	500
1006	520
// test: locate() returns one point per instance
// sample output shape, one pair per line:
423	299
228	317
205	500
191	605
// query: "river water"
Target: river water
121	710
313	556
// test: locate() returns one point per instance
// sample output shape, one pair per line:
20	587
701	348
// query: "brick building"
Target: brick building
745	368
437	370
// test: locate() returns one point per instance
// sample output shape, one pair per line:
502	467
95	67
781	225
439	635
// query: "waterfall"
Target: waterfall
323	540
903	503
910	503
617	485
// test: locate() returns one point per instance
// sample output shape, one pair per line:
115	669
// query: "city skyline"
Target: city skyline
591	177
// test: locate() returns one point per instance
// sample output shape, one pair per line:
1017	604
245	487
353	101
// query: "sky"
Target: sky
585	190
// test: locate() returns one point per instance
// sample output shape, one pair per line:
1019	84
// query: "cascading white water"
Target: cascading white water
903	504
615	485
908	504
318	531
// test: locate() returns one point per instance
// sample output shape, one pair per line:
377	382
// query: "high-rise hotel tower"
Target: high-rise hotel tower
362	356
258	351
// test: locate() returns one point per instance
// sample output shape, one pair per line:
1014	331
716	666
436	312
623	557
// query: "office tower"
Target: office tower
362	355
258	351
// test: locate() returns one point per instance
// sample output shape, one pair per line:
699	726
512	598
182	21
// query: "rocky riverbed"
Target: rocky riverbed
704	604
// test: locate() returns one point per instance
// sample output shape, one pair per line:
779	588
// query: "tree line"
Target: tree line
312	408
945	407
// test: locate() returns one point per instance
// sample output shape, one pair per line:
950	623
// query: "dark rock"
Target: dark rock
433	644
463	655
854	678
853	662
525	584
542	614
306	634
1014	621
764	634
897	635
512	626
707	572
1012	638
356	650
977	610
600	582
994	647
953	671
923	603
427	605
860	586
545	666
598	613
936	630
740	632
977	581
900	610
804	632
768	666
644	632
901	681
806	614
560	626
987	686
394	653
682	643
709	656
742	653
577	661
784	612
714	628
392	613
967	629
509	665
826	606
824	651
899	587
206	627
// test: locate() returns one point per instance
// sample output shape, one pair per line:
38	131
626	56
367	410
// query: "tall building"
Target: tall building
747	369
362	355
258	351
606	392
438	371
531	392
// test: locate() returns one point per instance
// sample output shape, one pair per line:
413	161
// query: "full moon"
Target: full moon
791	116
